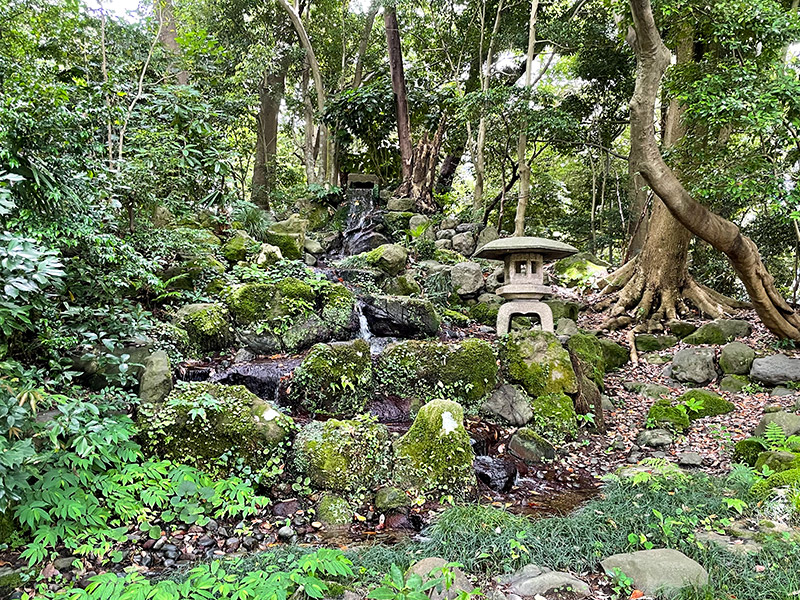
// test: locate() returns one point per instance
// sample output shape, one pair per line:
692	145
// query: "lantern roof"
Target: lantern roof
549	249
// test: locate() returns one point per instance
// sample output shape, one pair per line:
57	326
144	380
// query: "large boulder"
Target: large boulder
536	360
694	365
712	404
343	455
289	236
389	258
198	423
155	382
401	316
736	358
509	403
775	369
334	510
658	571
719	331
615	355
420	370
531	447
487	234
580	269
334	379
435	454
467	279
431	567
207	326
464	243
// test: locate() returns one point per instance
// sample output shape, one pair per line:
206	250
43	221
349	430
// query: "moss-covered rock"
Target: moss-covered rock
238	246
647	342
334	379
201	271
200	422
389	258
589	351
484	313
747	451
713	403
10	580
288	244
787	478
614	355
719	332
253	302
531	447
401	316
343	455
396	222
402	285
736	358
563	309
777	461
536	360
7	526
664	414
334	510
338	309
435	454
465	372
391	498
554	416
580	269
207	325
733	383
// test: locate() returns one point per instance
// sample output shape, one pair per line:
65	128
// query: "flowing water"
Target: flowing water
363	221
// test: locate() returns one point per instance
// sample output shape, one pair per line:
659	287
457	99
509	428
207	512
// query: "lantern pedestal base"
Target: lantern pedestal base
523	307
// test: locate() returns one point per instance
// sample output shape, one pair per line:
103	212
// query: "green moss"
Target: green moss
713	404
391	498
647	342
536	360
288	244
206	325
465	372
579	269
484	313
200	422
777	461
10	580
397	222
614	355
447	257
455	317
343	455
664	414
252	302
435	454
563	309
334	379
554	416
334	510
338	304
239	246
746	451
402	285
589	351
7	526
291	287
785	478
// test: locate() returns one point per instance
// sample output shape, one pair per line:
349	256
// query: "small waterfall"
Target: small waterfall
363	220
363	326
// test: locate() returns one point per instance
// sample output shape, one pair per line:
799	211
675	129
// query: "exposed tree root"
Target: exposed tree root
638	296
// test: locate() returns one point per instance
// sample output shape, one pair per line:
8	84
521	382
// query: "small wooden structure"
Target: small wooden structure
524	278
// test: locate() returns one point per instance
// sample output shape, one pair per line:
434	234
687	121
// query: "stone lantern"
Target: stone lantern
524	287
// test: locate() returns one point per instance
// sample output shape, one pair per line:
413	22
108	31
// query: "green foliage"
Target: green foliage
664	413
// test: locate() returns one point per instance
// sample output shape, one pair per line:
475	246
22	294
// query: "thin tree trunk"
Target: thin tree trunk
399	88
309	157
270	94
480	159
653	58
169	34
362	47
106	95
522	144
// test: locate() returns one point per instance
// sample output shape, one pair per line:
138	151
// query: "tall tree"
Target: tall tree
653	58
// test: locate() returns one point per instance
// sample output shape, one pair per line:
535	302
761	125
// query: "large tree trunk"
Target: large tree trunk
399	89
270	93
169	33
653	58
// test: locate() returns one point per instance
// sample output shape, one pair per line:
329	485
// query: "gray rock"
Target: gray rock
727	542
719	332
286	533
510	403
495	279
391	498
654	438
566	327
789	422
782	391
653	571
155	382
449	223
64	563
606	403
497	473
736	358
467	227
694	365
444	244
648	390
464	243
776	369
268	255
313	246
489	234
681	328
552	581
401	316
690	459
647	342
425	567
530	446
400	204
467	279
445	234
490	299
